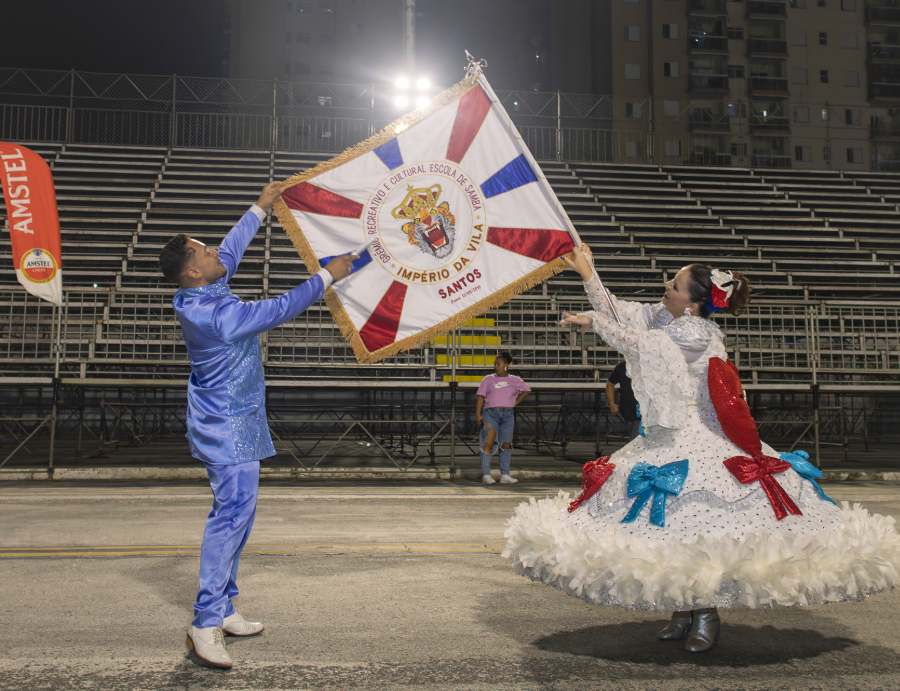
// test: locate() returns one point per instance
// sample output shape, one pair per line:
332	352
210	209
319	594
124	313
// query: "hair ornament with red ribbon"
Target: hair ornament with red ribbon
721	288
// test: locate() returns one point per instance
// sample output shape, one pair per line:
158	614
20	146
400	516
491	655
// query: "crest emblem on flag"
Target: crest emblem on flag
454	214
428	225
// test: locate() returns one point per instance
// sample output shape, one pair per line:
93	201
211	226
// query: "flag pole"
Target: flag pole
54	410
475	71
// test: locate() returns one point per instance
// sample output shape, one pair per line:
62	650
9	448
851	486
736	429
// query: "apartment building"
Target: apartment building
799	83
883	47
767	83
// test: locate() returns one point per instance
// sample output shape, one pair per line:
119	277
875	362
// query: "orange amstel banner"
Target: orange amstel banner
33	220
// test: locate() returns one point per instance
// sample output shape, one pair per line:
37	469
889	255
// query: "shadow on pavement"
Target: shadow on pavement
739	645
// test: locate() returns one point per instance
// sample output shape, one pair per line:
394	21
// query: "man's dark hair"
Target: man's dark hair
506	356
173	257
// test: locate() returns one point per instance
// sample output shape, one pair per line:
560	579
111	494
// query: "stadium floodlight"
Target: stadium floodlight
404	84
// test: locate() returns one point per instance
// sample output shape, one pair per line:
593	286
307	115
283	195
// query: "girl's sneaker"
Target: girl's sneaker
507	480
488	480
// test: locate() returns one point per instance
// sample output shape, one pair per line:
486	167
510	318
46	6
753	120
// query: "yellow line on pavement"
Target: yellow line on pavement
408	548
92	548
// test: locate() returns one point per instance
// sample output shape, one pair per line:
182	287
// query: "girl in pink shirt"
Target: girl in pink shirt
498	395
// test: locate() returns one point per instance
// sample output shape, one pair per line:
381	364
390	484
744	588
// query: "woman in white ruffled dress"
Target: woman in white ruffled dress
671	527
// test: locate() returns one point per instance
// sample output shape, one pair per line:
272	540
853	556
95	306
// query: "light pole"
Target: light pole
411	90
409	34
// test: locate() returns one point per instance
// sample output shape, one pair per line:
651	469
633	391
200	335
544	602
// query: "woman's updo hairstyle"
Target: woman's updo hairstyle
710	297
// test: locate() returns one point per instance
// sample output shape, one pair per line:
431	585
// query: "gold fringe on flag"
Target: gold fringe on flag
304	249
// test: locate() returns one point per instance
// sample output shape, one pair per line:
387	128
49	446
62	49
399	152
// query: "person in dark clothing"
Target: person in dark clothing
624	404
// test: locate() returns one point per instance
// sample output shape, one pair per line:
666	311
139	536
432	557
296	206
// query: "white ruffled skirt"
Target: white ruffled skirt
721	546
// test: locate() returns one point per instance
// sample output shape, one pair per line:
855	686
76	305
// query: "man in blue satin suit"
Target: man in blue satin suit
227	427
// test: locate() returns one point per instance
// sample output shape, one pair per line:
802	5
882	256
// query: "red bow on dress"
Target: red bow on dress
761	469
593	476
739	426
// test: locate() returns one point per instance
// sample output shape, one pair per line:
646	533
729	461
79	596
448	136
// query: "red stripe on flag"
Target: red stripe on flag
318	200
473	108
381	328
537	243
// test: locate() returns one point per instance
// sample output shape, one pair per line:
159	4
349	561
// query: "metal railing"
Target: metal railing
708	6
766	160
770	46
776	84
884	89
767	8
111	365
700	119
770	122
133	333
708	82
172	111
223	131
320	134
704	42
33	123
879	51
889	13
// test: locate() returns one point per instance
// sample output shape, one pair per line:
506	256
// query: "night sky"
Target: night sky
190	37
156	36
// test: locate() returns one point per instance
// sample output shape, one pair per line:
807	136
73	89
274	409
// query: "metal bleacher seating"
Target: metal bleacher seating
820	247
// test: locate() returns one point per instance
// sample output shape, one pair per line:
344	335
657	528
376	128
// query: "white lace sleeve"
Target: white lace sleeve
622	337
693	335
657	369
633	314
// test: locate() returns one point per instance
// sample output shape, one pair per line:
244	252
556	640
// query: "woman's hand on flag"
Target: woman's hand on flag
581	260
582	321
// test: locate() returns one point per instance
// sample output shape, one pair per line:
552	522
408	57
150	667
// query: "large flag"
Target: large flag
455	215
33	220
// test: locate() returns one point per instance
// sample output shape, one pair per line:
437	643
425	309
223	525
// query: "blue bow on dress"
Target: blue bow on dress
799	461
646	481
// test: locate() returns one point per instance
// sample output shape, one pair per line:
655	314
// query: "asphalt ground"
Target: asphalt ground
373	585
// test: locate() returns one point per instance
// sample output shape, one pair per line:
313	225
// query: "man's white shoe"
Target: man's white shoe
507	480
236	625
488	480
208	644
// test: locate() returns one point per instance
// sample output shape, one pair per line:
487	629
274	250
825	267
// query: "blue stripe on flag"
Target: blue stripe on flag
359	263
389	153
514	174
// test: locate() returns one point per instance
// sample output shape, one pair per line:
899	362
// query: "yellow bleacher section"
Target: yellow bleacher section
470	359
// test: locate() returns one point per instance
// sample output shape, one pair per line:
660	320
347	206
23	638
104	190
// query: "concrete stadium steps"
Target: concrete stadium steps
203	190
102	192
797	234
47	150
724	195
